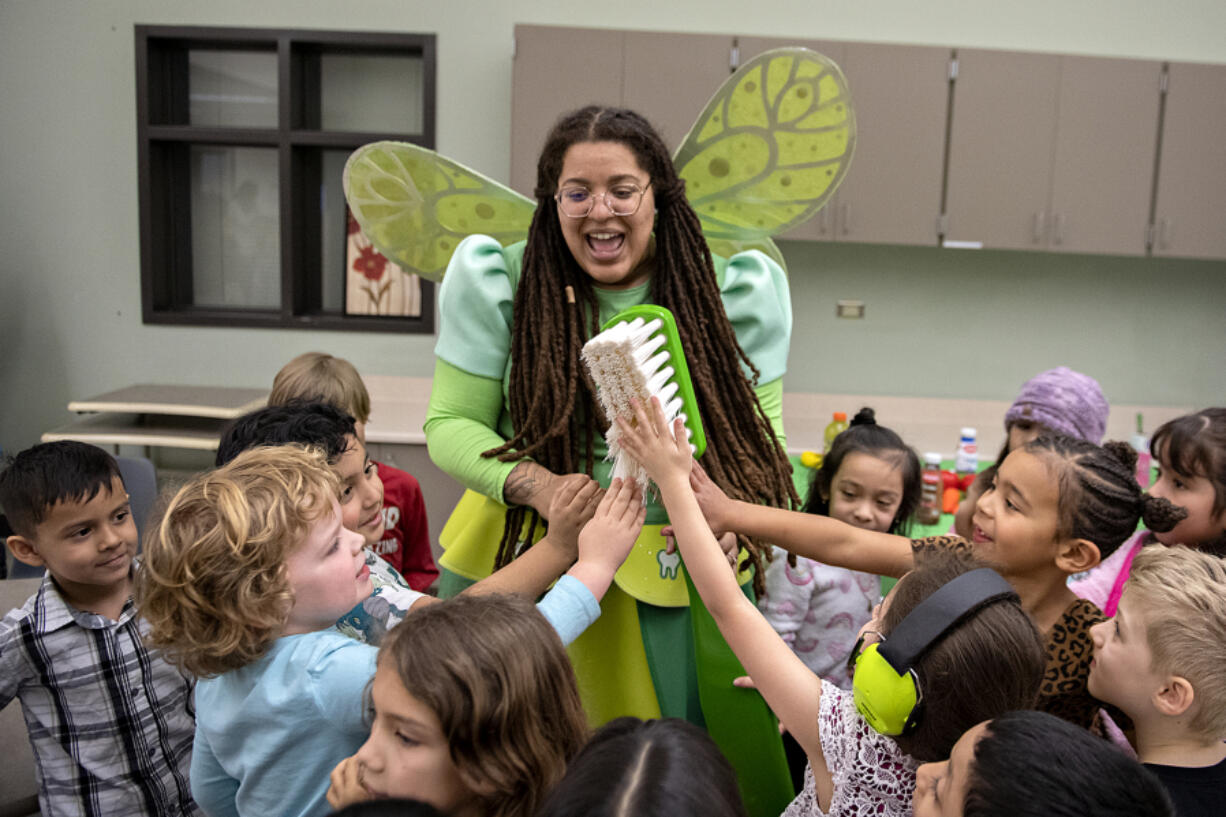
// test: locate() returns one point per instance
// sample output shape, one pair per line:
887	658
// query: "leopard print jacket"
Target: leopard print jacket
1069	650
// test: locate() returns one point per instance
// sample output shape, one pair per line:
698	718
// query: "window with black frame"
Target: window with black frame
242	139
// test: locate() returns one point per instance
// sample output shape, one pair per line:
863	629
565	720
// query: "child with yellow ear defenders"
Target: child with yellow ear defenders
948	618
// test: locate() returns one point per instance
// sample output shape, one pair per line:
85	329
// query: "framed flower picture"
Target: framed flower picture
374	285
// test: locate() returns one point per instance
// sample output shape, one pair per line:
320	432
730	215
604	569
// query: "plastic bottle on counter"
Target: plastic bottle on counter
1140	444
966	461
929	512
836	427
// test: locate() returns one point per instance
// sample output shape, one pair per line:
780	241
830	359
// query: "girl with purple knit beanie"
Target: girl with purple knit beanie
1059	401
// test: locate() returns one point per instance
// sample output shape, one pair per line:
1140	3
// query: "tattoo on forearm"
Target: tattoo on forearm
520	486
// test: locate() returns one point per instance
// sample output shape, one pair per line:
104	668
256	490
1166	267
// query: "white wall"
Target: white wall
69	256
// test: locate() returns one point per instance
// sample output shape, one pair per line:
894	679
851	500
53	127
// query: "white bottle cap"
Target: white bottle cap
968	432
932	458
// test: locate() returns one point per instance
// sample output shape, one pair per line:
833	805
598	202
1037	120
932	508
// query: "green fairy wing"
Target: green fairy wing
415	206
769	149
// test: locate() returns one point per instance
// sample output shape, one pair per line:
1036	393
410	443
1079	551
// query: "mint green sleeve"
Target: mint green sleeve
770	395
756	297
475	302
461	422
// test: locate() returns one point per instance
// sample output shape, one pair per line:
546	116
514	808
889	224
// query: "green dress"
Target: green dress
646	656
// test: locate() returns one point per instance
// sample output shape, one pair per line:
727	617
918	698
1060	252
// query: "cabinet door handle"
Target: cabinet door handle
1040	226
1166	232
1057	237
823	216
846	218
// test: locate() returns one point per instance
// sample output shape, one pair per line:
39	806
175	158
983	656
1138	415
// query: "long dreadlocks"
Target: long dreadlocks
552	400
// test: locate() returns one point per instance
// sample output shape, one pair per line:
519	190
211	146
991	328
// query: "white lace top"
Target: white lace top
871	774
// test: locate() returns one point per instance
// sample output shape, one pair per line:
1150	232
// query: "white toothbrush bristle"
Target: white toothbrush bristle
627	362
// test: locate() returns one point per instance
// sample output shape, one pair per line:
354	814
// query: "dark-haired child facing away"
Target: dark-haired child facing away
393	518
110	721
663	767
1161	661
647	768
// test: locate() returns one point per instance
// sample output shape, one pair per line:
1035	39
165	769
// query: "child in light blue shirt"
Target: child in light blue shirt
246	577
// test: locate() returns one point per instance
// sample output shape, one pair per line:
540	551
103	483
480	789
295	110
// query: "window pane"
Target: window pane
356	278
235	89
362	93
332	242
236	253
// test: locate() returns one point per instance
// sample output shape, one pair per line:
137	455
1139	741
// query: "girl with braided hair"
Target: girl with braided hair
513	413
1055	508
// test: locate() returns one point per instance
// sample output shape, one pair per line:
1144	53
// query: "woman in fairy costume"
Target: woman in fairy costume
512	410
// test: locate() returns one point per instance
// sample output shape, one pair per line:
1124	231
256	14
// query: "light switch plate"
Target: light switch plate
849	309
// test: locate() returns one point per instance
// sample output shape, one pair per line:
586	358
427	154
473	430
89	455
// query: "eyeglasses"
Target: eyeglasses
620	200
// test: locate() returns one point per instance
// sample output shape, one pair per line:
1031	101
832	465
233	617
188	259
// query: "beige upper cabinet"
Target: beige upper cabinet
557	70
892	193
1052	152
821	226
1001	142
1030	151
670	77
1190	217
1106	138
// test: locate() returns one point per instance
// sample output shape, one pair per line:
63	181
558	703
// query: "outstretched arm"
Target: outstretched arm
805	534
790	688
530	574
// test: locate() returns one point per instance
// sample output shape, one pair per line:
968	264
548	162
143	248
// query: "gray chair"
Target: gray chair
141	480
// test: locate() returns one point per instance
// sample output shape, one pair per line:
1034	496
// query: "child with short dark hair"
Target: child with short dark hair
1160	661
395	527
110	721
1031	764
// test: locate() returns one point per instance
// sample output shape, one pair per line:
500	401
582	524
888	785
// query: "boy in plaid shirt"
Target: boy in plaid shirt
110	722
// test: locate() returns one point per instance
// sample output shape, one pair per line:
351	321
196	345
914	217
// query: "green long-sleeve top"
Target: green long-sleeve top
469	412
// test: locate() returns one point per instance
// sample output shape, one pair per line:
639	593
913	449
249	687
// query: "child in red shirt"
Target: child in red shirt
402	539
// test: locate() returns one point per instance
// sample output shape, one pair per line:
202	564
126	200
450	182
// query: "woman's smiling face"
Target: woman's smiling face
611	249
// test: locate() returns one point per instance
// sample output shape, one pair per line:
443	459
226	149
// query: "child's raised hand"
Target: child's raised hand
572	505
607	539
714	503
663	452
346	788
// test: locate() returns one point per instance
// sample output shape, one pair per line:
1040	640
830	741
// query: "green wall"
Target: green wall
939	323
